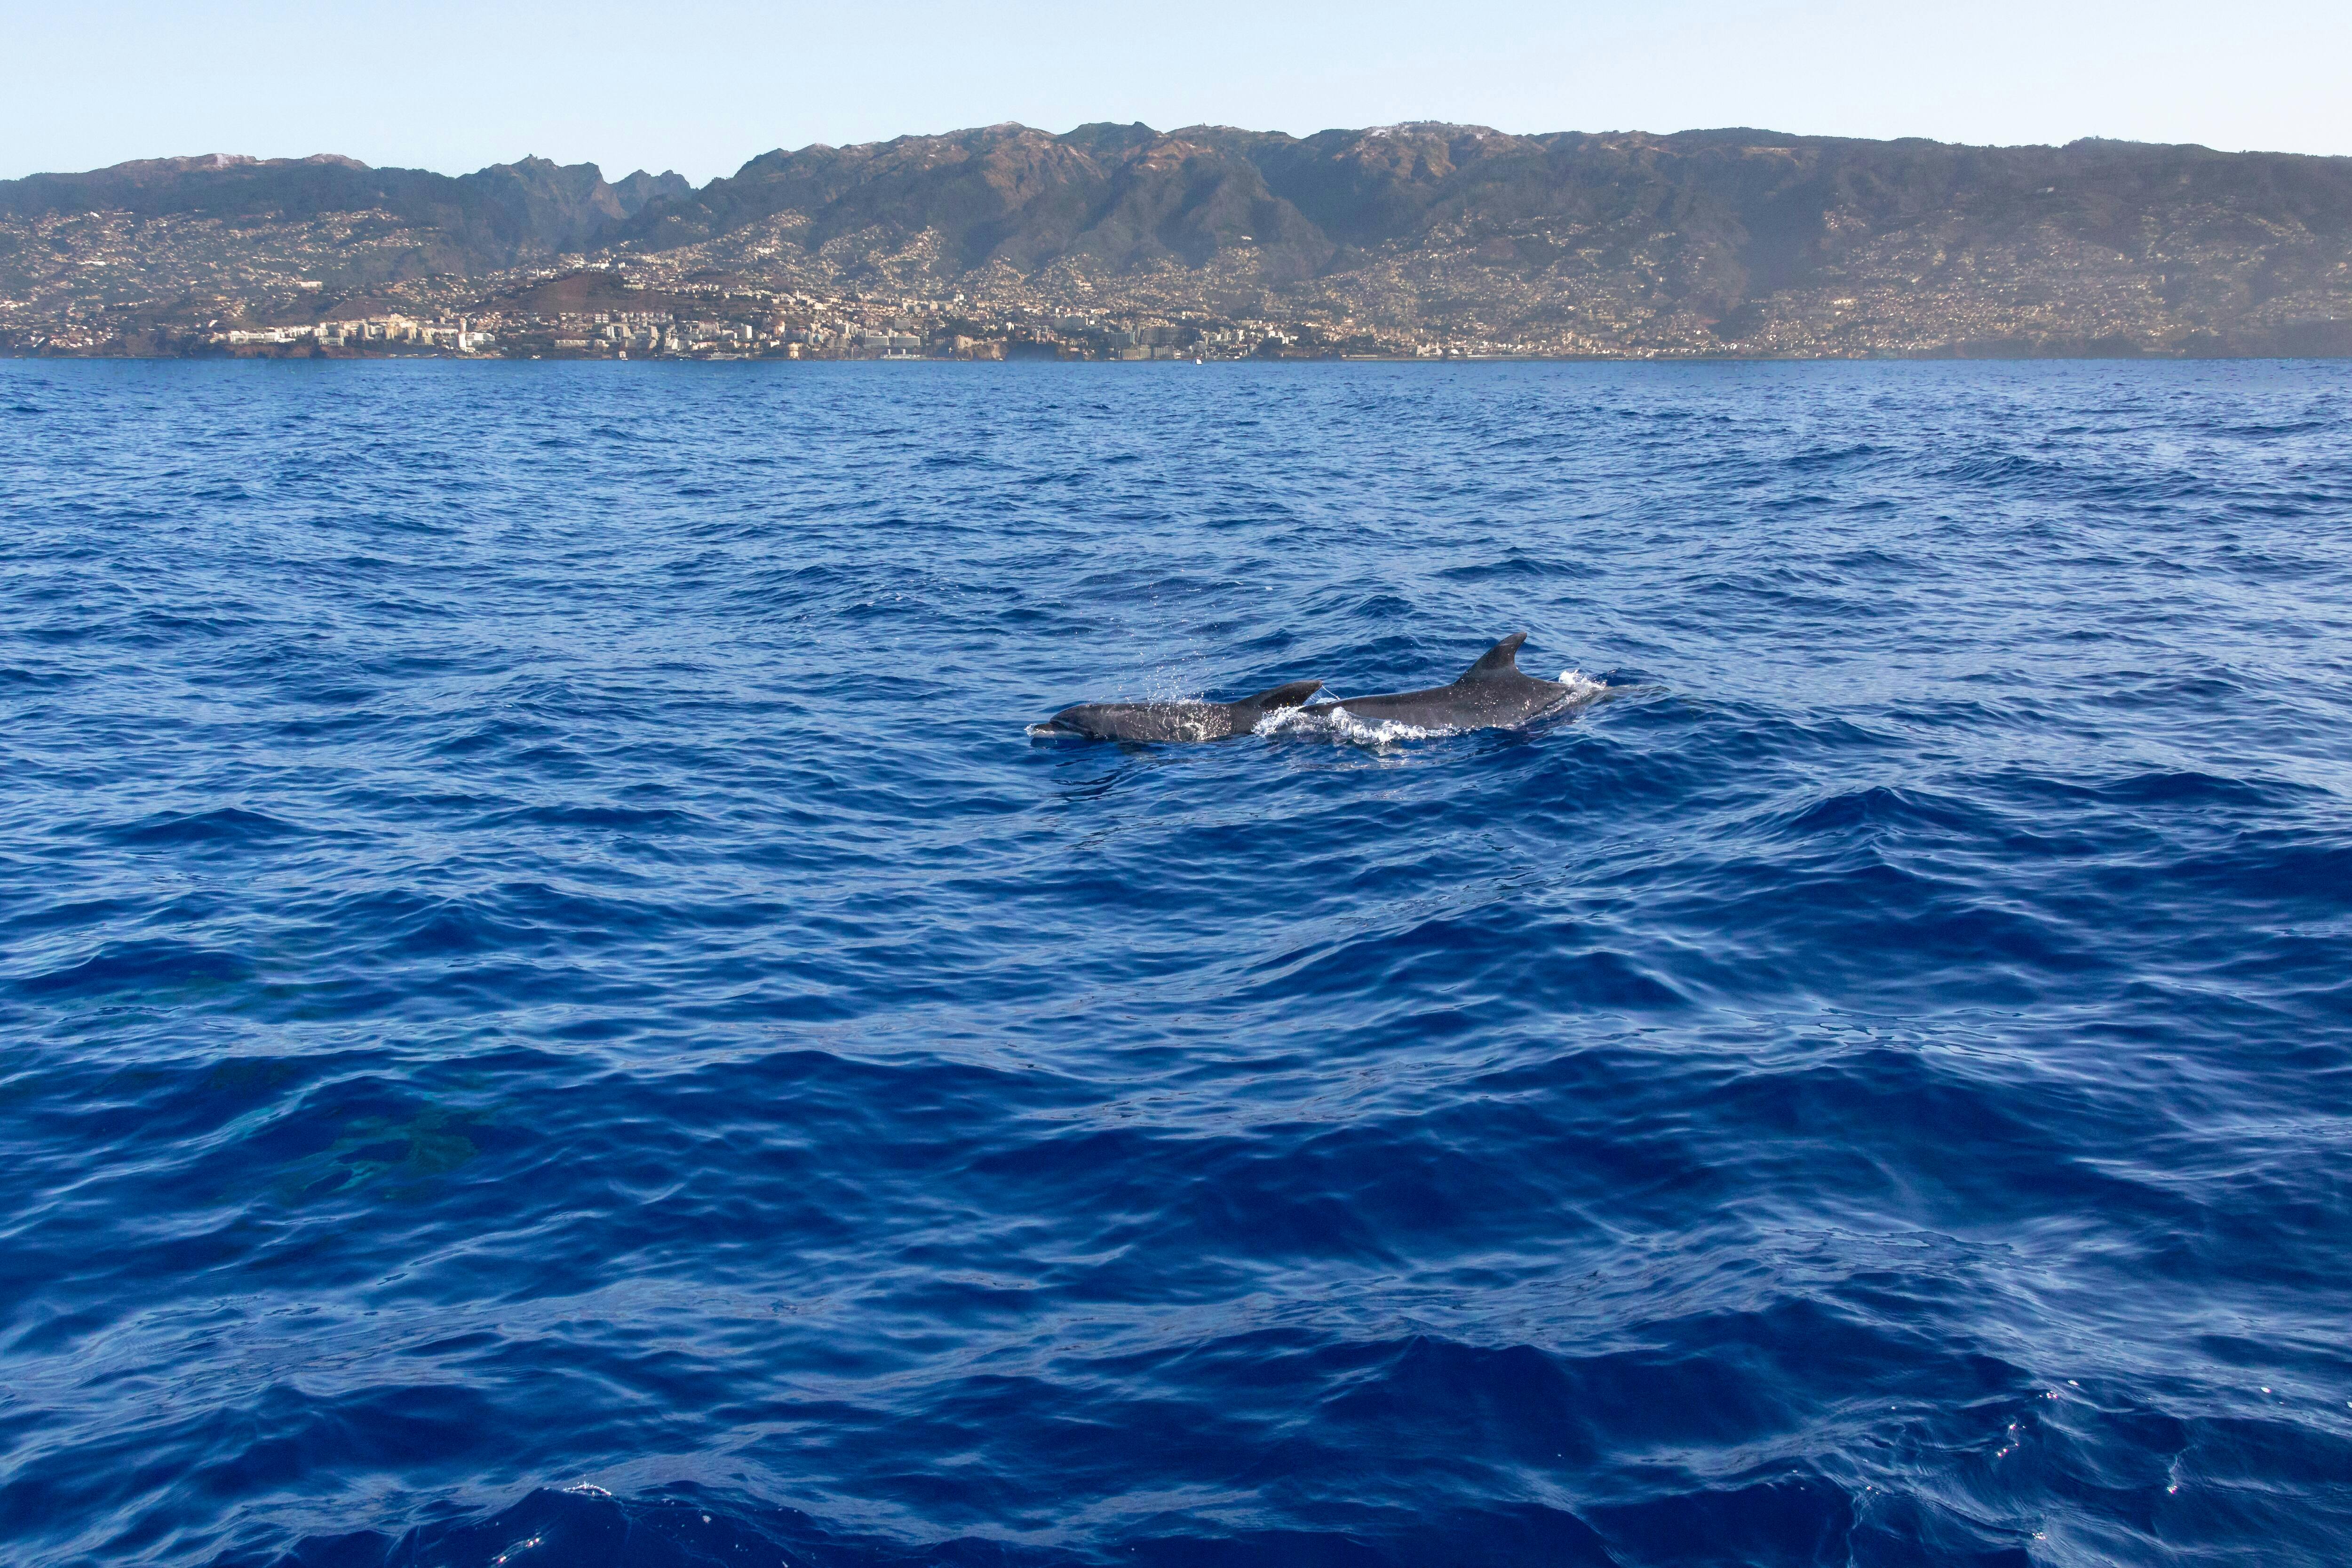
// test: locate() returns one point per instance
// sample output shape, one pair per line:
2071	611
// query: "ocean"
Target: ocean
556	1014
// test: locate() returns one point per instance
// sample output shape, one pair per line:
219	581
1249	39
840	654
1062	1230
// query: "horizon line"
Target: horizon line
192	161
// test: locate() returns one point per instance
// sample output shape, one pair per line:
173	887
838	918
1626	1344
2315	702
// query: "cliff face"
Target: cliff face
1707	241
541	206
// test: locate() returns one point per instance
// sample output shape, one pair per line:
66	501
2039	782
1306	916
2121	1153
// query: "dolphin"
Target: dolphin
1491	694
1176	721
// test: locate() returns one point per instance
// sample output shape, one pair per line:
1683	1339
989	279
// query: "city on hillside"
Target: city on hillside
1428	242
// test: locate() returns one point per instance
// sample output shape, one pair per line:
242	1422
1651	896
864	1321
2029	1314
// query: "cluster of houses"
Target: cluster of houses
381	331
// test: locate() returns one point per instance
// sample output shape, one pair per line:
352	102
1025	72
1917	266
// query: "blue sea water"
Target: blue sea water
554	1013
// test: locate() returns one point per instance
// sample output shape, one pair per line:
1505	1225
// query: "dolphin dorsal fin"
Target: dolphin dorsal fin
1498	661
1274	698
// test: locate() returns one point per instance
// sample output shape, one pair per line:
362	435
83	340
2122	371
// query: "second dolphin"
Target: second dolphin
1491	694
1176	721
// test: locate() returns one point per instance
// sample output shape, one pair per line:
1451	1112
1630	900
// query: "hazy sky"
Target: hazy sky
701	85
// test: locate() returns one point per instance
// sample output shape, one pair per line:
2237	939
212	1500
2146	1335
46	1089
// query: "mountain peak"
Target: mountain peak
211	162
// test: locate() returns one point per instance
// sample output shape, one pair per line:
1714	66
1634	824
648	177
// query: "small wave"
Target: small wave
1339	724
161	967
642	818
228	826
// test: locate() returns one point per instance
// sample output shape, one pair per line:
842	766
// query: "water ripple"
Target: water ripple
558	1016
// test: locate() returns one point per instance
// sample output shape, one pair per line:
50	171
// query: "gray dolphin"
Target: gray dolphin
1176	721
1491	694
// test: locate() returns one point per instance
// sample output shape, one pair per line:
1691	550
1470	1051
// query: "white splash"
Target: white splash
1339	724
1582	687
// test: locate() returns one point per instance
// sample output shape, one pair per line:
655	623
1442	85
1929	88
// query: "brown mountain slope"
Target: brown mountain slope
1735	240
1725	231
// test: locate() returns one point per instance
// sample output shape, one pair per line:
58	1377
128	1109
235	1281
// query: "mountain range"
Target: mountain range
493	217
1738	240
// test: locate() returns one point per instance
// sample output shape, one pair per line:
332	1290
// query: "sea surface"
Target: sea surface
552	1012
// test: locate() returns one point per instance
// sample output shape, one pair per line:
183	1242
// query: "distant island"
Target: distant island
1123	242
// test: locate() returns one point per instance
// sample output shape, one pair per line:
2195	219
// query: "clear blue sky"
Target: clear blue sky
701	85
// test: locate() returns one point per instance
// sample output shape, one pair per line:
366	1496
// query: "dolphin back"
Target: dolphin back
1273	700
1178	720
1493	692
